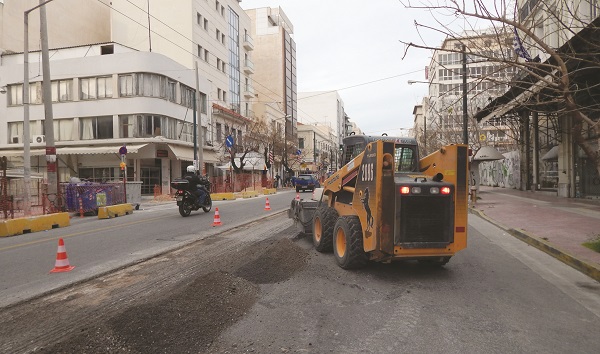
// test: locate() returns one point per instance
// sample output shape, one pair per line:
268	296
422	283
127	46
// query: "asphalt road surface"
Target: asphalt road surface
260	287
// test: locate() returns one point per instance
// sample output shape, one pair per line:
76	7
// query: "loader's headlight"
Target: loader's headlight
434	190
416	190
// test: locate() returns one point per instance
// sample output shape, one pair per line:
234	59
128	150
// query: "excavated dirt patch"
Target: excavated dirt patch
281	259
183	322
189	317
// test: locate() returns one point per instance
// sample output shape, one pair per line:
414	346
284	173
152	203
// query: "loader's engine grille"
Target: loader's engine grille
425	221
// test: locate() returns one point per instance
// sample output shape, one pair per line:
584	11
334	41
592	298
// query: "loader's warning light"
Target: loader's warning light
404	190
445	190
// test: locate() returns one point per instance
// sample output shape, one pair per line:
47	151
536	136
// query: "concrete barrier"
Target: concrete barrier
222	196
20	226
114	211
268	191
249	194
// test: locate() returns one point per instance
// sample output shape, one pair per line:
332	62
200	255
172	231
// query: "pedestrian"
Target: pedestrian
277	180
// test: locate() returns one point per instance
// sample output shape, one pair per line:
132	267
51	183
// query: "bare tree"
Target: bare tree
561	80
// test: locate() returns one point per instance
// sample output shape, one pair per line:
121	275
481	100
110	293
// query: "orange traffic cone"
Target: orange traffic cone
298	196
62	262
217	220
267	205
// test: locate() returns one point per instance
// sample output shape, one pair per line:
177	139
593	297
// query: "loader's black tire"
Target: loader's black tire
348	243
323	223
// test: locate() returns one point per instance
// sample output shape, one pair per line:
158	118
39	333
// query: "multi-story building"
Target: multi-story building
559	123
317	148
275	92
326	108
124	72
487	77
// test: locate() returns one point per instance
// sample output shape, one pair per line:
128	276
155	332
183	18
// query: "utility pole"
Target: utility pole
464	97
201	135
51	161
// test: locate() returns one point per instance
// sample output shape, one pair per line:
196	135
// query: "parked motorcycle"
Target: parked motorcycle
186	200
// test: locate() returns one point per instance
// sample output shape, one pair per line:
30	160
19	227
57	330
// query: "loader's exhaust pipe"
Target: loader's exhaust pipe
438	177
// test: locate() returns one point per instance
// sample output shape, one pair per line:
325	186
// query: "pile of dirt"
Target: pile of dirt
281	259
182	322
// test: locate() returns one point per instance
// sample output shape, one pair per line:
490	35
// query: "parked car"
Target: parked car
306	182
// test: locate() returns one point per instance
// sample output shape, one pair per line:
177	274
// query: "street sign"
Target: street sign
229	141
298	152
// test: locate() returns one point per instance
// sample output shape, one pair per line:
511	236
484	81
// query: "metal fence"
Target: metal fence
79	198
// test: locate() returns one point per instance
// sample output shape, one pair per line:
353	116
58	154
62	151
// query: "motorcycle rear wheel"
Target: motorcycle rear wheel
185	209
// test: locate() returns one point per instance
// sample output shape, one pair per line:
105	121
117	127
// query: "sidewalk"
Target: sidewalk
557	226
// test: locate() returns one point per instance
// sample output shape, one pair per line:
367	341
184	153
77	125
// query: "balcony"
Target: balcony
248	91
248	67
248	43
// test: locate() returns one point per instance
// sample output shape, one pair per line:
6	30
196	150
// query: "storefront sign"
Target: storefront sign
162	153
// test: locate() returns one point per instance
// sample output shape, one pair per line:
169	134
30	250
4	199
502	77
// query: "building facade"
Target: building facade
325	108
127	73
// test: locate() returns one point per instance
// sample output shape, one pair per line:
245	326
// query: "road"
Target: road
97	246
261	287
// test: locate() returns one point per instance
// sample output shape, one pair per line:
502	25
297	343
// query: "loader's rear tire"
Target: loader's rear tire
323	223
348	243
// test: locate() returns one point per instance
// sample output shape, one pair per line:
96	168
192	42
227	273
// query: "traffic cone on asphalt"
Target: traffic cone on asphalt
62	261
217	220
298	196
267	205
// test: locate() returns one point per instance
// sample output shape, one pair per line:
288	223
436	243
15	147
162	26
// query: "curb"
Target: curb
587	268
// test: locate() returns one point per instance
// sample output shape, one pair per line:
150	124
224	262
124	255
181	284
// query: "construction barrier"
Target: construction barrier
222	196
249	194
24	225
114	211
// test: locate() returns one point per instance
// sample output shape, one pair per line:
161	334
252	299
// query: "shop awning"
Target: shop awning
186	153
76	150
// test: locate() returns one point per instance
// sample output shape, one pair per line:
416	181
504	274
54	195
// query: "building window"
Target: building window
92	88
187	96
218	34
198	18
171	90
217	5
126	85
239	138
301	143
206	55
96	128
219	132
203	103
205	26
15	94
63	129
62	90
200	51
96	174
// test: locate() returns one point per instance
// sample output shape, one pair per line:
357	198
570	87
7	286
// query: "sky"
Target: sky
353	47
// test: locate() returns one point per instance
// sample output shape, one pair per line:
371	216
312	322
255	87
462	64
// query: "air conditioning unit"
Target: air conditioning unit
16	139
39	139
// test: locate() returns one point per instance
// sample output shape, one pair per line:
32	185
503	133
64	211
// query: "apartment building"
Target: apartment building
318	149
488	54
275	89
124	72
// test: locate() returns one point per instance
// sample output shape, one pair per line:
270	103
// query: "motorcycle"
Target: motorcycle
186	200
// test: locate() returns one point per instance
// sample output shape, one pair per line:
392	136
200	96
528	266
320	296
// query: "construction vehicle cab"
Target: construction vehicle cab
385	203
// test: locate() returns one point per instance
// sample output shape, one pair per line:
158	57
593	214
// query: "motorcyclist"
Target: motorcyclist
195	184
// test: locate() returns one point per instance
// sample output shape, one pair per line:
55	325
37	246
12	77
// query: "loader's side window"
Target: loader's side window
405	159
